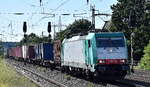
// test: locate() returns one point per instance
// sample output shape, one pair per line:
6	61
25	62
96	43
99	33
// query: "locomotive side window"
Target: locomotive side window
89	43
110	42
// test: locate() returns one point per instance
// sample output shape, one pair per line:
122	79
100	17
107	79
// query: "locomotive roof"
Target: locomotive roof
109	34
75	38
91	35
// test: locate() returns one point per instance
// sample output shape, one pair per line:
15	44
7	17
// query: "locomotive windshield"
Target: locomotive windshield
110	42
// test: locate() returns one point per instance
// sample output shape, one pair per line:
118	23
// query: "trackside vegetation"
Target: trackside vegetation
145	61
10	78
132	16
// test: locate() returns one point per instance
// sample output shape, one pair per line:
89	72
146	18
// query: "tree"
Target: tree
145	61
34	39
133	16
78	26
62	34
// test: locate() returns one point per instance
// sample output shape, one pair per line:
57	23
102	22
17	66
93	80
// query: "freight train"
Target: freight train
102	55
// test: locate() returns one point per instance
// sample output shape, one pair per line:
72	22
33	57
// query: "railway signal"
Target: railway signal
25	36
25	30
24	27
49	29
40	2
87	1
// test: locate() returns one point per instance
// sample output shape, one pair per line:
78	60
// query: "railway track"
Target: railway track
72	81
142	73
38	78
124	83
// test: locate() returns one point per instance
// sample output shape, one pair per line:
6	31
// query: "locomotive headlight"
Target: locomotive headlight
122	61
101	61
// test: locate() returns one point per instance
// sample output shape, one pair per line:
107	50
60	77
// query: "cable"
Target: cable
101	18
63	3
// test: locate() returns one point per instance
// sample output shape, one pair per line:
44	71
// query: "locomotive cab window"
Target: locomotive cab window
110	42
89	43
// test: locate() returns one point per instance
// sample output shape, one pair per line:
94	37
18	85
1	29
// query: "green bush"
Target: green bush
145	61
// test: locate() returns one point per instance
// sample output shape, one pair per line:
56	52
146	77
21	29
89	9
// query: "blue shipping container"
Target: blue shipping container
47	51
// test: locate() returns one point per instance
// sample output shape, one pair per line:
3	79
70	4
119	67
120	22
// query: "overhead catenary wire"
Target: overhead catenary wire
101	18
49	14
63	3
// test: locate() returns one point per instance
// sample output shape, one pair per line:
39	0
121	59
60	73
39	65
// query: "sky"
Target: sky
38	15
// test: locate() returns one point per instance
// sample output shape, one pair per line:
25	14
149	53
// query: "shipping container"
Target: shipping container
13	53
57	52
10	52
18	51
30	52
37	52
24	51
46	51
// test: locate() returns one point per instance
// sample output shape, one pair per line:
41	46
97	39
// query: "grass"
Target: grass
40	68
10	78
68	77
90	84
138	67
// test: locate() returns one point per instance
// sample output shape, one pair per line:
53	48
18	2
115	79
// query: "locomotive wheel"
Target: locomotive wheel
62	69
